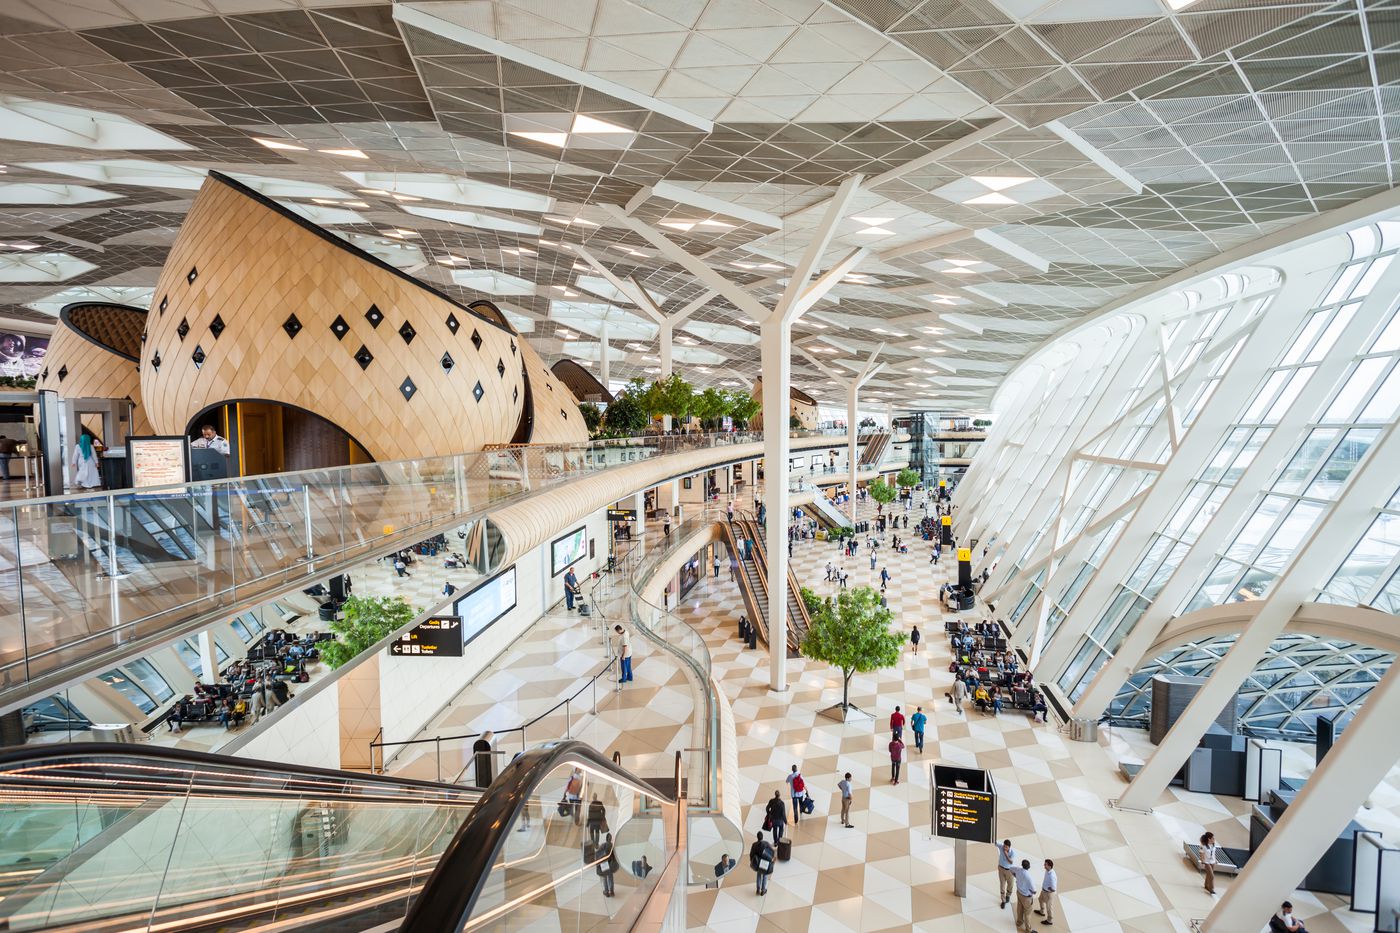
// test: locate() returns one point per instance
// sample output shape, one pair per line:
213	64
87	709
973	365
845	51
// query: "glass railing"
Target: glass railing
93	576
564	839
110	838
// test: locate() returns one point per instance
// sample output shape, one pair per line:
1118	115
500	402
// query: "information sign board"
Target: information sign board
434	637
947	520
964	804
622	515
158	461
964	554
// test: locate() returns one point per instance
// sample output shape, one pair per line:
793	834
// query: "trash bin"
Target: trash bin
113	732
1084	730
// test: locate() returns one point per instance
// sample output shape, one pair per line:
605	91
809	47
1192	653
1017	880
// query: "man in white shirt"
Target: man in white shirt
1006	862
1048	886
624	653
1209	859
208	437
1025	892
844	786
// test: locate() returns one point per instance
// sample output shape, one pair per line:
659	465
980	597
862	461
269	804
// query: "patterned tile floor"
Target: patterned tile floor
1118	871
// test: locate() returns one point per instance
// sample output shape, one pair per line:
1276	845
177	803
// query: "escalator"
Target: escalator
873	450
826	513
753	584
108	838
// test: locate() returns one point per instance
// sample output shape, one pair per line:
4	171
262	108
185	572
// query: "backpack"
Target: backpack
799	786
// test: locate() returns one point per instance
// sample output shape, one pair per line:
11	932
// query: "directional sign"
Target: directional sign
434	637
964	553
947	519
964	804
622	515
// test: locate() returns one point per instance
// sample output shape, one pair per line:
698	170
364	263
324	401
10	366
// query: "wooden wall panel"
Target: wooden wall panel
92	371
253	266
557	418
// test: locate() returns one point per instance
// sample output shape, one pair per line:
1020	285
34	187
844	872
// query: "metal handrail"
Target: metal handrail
438	740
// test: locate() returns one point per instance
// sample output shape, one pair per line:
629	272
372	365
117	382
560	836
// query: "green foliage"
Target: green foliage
851	632
367	620
981	423
17	382
882	492
794	422
625	415
671	396
710	406
592	416
845	531
907	478
742	408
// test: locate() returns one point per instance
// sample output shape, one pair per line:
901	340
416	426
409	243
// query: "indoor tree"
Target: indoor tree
907	478
625	416
882	492
592	417
742	408
710	406
365	621
851	632
674	396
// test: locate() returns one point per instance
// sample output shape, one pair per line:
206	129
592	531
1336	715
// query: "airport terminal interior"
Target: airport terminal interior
740	465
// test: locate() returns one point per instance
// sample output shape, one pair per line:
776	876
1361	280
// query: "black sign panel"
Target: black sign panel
964	804
434	637
622	515
965	814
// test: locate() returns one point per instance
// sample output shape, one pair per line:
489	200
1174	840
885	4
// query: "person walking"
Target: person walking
959	694
915	638
1210	857
1006	864
716	562
624	651
896	759
775	819
844	786
597	822
607	864
401	568
797	788
897	723
1025	894
761	861
918	722
1048	886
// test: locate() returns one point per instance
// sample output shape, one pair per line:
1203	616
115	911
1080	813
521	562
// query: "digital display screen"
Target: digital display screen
570	549
965	814
483	606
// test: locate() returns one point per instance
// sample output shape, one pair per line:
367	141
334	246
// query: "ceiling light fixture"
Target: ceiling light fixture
347	153
278	144
991	198
962	262
685	226
586	124
558	140
873	221
1000	183
875	231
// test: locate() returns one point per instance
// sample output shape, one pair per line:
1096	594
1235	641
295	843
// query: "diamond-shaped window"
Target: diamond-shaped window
63	374
192	275
564	414
198	356
407	332
364	357
184	328
216	326
339	327
407	388
512	348
478	391
476	339
447	362
452	323
374	316
164	303
501	368
515	394
291	325
155	361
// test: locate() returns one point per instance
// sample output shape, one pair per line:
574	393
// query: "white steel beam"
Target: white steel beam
812	256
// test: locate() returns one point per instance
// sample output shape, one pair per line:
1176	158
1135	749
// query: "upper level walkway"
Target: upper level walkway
98	578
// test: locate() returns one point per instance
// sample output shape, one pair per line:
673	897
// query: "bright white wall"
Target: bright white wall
305	733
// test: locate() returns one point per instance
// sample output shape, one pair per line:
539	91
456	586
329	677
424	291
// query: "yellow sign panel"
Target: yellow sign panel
947	519
942	484
964	553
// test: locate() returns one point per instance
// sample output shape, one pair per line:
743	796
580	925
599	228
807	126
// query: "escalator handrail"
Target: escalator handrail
94	752
449	895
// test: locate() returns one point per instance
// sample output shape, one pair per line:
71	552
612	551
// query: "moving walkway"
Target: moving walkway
106	838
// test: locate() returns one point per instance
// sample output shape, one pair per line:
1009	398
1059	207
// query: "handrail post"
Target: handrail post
306	512
568	721
437	748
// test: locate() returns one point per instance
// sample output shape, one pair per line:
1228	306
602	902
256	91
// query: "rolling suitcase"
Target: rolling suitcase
784	850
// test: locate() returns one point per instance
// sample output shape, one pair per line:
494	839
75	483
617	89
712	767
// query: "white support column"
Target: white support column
208	658
604	368
852	443
639	503
775	344
667	332
1352	770
1371	485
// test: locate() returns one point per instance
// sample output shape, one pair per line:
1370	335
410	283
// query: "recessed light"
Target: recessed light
586	124
959	270
278	144
962	262
1000	182
991	198
401	232
347	153
1179	4
873	221
684	226
876	231
716	223
549	139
